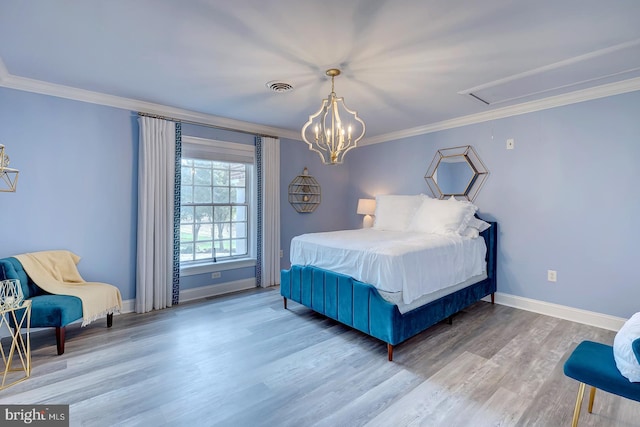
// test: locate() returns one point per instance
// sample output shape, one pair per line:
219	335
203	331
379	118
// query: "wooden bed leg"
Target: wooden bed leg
390	352
60	330
450	320
285	302
493	297
109	320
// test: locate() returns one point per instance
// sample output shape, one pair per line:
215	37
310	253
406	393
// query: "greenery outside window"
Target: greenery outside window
216	213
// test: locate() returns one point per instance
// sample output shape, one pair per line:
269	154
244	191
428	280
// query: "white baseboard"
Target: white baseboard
219	289
586	317
129	306
590	318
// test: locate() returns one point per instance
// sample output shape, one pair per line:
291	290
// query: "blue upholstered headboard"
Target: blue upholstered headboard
490	236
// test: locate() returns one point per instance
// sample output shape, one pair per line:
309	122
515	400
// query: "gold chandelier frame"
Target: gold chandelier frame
327	133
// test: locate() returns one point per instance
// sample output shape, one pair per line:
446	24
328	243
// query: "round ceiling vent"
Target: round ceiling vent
279	87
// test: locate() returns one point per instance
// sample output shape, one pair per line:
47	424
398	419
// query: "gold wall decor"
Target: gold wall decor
304	193
8	176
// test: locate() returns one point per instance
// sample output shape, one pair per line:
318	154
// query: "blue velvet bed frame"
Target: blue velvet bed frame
360	306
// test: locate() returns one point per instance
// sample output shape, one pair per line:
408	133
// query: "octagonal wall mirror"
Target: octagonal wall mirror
456	172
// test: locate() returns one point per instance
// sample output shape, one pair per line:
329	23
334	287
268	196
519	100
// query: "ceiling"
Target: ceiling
406	64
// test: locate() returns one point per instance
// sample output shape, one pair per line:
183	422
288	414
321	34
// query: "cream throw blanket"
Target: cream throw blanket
56	273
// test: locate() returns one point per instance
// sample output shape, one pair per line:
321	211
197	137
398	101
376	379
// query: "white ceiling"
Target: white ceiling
406	63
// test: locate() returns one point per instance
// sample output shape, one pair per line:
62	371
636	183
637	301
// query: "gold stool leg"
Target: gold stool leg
592	395
576	411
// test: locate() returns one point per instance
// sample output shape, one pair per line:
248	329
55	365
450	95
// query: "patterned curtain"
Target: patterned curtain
177	184
268	251
259	211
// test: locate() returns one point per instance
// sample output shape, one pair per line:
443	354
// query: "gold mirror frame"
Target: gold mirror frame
469	187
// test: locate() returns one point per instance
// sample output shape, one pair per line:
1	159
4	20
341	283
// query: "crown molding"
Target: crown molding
45	88
621	47
596	92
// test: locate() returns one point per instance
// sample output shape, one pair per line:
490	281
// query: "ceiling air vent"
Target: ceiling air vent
478	98
279	87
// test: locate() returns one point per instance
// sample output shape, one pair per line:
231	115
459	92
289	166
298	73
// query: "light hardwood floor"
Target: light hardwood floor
242	360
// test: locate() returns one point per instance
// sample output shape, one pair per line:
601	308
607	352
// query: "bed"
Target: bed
371	308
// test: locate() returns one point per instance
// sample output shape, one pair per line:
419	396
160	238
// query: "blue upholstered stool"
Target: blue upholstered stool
592	363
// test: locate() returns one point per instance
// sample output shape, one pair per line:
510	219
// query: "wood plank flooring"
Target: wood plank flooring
242	360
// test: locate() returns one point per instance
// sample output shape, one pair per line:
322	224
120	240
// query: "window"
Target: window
216	202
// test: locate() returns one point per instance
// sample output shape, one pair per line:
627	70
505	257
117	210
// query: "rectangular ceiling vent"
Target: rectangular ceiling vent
613	64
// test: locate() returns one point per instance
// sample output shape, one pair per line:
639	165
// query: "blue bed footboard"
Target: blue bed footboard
342	298
360	306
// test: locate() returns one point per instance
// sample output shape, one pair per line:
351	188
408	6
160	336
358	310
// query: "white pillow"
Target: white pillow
626	360
478	224
394	212
470	232
443	216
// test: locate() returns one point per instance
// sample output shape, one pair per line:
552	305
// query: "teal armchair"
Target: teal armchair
47	310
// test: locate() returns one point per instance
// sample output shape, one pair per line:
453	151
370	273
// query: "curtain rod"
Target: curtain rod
172	119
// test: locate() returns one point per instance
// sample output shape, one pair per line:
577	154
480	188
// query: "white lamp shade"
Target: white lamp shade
366	206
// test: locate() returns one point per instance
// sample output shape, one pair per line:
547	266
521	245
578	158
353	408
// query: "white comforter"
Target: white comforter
393	261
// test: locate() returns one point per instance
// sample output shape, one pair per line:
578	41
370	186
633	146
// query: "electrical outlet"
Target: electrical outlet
552	275
281	253
511	143
216	275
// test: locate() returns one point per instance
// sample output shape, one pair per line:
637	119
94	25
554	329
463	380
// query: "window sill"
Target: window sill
212	267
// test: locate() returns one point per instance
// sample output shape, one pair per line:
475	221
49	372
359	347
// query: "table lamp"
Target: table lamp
367	207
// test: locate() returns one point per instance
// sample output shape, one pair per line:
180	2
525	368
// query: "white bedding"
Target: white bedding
396	297
394	261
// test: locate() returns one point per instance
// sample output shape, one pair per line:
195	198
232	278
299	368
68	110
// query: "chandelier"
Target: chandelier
334	129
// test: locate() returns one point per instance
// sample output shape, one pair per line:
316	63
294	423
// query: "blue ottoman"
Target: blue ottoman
592	363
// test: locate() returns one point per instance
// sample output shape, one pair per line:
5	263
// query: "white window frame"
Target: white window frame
210	149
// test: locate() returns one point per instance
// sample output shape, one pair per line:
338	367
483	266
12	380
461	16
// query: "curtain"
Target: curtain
156	183
268	165
177	186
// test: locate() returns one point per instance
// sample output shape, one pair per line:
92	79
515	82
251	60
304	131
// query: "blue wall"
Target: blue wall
565	197
76	189
334	211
